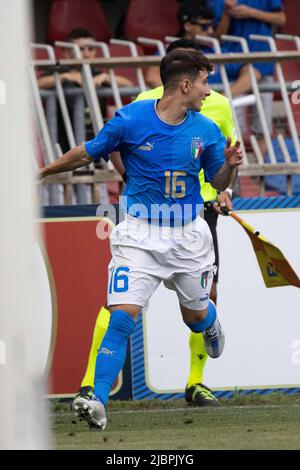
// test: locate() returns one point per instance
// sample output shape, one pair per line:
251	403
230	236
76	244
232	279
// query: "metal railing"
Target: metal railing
256	166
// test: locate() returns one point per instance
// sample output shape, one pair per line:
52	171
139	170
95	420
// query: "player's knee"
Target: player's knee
205	322
122	322
192	316
132	310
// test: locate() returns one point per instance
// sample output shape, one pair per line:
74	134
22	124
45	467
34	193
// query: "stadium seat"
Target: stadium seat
121	51
291	71
292	20
152	19
66	15
279	183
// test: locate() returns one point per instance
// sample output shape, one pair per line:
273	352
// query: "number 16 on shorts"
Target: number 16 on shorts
118	280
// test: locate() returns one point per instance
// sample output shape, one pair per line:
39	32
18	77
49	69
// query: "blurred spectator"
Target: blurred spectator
245	17
81	37
197	19
216	6
72	78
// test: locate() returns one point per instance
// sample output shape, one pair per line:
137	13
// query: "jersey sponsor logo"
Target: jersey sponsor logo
148	147
196	147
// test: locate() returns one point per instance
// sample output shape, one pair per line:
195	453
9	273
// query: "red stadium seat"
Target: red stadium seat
292	20
66	15
291	70
153	19
121	51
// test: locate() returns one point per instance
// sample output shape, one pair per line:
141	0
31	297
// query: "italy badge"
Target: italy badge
196	147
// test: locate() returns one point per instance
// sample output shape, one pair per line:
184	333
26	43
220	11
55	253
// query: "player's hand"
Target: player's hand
241	12
233	154
223	203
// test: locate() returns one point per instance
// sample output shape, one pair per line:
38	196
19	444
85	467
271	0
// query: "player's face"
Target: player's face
198	91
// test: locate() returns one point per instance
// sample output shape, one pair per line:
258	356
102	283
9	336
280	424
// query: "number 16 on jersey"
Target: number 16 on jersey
175	187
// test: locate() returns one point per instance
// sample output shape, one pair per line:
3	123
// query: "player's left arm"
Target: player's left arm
227	127
233	158
220	159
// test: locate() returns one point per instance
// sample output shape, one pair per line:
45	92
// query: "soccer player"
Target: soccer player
163	144
217	108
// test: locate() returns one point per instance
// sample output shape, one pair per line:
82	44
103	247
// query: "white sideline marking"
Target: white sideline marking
192	408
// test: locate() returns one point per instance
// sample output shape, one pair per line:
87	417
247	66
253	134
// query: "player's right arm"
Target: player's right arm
105	142
73	159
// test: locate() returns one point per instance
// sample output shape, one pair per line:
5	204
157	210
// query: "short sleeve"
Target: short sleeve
275	5
213	155
108	139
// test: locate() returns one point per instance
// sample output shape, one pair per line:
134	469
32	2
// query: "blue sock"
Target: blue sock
210	318
112	353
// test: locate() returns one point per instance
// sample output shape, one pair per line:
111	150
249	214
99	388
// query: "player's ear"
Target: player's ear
185	85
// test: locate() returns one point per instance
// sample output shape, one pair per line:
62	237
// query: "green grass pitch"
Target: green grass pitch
252	422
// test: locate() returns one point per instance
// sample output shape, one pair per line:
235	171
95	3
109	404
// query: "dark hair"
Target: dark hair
80	33
193	13
184	44
177	64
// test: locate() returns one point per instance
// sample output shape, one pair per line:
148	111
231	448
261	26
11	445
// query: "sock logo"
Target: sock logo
107	352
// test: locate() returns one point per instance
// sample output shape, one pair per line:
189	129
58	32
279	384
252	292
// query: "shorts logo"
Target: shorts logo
196	147
204	278
107	352
203	299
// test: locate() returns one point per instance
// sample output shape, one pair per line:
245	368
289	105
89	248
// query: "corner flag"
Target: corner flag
275	269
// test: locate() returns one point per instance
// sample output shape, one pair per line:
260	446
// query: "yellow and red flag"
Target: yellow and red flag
275	269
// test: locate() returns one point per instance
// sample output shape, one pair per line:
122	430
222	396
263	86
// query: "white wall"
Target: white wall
21	391
262	325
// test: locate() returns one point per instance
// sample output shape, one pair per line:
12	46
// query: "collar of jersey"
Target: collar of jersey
166	122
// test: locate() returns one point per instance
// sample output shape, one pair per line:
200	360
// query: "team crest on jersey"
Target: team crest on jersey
204	279
196	147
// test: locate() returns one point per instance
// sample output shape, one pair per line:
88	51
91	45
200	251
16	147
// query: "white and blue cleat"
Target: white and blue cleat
91	410
214	340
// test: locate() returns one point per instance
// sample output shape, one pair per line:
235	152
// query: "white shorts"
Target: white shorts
144	254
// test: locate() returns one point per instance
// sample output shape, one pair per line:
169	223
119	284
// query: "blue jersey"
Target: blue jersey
217	6
162	160
244	28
